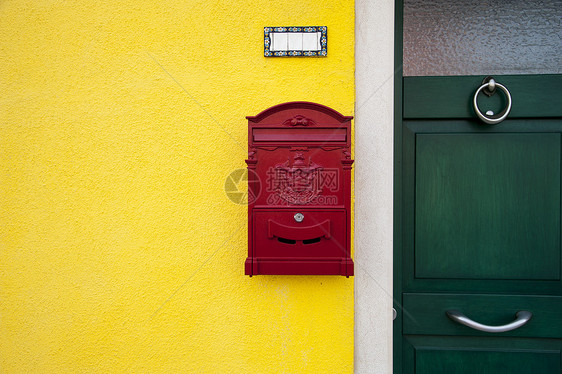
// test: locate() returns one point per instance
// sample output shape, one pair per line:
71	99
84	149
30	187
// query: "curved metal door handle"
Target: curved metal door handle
521	318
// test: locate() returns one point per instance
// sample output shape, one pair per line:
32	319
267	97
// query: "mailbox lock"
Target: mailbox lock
299	217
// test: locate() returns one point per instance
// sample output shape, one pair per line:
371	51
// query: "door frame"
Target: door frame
398	178
373	184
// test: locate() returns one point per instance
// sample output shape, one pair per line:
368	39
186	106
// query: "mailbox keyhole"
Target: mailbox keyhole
287	241
311	241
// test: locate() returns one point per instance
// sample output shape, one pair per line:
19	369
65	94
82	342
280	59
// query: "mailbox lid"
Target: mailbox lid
299	122
320	234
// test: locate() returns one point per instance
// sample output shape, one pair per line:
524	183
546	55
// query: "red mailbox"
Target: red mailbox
299	188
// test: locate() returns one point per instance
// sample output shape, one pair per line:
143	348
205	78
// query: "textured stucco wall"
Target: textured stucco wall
119	251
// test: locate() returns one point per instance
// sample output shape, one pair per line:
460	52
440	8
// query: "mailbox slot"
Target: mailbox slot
299	232
296	135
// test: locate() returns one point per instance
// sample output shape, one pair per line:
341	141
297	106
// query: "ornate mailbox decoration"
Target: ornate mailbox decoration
299	178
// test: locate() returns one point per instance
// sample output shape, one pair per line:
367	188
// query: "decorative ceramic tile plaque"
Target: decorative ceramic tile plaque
294	41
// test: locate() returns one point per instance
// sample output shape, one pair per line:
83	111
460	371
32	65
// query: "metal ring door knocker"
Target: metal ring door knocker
488	87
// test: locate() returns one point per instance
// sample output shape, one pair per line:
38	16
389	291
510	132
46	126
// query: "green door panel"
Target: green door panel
487	206
426	314
451	97
481	204
447	361
474	355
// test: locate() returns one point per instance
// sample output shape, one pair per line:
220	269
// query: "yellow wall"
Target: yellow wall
119	251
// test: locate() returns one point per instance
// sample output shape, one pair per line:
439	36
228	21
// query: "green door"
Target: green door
478	225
